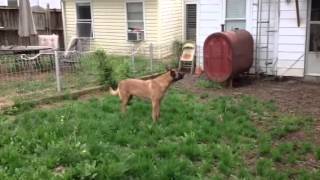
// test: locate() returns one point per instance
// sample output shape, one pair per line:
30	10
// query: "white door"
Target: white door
313	50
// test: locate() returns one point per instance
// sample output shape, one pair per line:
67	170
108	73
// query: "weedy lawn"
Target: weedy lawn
194	139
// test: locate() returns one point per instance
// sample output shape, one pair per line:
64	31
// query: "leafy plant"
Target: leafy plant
105	68
177	48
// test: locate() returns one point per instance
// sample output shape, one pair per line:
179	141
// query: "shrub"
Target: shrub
121	70
177	48
105	68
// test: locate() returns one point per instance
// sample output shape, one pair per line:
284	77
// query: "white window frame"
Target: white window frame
91	20
247	18
143	14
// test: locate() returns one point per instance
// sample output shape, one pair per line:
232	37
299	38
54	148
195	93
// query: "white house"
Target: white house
286	32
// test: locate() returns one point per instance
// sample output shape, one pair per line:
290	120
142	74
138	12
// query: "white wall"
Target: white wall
286	44
209	18
292	39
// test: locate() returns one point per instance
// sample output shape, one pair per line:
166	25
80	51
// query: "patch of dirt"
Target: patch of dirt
292	96
5	103
60	170
96	94
295	136
308	163
85	97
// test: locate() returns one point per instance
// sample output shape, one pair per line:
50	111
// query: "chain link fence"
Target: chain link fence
24	78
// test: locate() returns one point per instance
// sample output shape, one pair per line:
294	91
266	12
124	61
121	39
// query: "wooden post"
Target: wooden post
48	19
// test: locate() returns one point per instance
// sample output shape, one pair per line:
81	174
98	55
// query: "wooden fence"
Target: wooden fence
47	21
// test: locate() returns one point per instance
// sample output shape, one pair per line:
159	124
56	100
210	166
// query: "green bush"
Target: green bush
177	48
104	67
121	69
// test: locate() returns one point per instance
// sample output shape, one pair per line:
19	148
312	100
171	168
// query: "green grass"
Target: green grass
193	140
205	83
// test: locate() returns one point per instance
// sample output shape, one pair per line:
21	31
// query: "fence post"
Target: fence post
48	19
56	59
151	57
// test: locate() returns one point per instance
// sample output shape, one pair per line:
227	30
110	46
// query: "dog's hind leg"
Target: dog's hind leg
129	100
124	102
158	109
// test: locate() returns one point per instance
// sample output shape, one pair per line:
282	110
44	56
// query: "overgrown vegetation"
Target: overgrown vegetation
88	70
224	138
205	83
177	48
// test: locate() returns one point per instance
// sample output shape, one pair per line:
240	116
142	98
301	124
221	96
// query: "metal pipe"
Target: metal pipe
268	34
298	13
222	27
257	39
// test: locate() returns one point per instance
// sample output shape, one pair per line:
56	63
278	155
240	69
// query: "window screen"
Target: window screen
315	11
84	20
12	3
191	24
135	16
236	9
235	14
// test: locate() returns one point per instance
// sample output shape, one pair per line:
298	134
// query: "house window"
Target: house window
84	19
135	21
235	14
12	3
9	3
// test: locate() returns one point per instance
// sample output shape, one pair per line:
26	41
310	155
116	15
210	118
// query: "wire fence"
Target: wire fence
27	78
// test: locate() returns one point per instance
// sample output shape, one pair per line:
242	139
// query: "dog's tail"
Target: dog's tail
114	92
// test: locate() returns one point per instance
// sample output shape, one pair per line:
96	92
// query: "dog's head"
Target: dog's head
176	75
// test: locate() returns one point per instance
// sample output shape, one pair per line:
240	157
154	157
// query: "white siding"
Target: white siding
170	25
266	57
286	45
292	39
209	18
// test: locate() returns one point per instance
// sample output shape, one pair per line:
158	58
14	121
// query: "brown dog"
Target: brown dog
153	89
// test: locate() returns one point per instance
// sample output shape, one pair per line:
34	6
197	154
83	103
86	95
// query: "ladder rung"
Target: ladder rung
263	47
272	31
255	4
263	21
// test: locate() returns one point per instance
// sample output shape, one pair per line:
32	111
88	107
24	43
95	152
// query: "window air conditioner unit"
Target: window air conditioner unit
135	36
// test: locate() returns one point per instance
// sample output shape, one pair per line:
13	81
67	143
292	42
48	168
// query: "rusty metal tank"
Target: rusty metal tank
227	54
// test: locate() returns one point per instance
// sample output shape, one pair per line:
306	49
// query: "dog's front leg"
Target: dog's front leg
123	107
155	110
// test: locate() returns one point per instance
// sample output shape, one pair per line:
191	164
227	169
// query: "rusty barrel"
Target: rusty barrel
227	54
